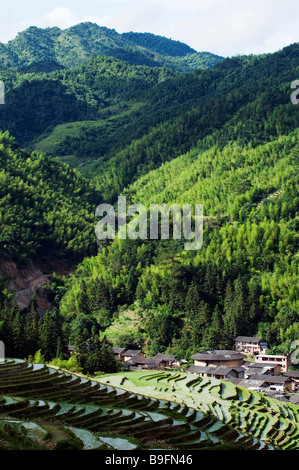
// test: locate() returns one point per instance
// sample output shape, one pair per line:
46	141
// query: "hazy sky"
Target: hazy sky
224	27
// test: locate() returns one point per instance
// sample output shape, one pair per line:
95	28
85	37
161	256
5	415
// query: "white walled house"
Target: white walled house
284	361
250	344
129	354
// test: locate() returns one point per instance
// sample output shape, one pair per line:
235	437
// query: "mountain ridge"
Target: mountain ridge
74	45
232	129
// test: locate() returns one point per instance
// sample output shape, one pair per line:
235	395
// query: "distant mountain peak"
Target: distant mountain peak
160	44
73	46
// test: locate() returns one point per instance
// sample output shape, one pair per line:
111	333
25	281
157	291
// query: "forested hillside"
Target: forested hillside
37	49
246	100
79	111
134	124
87	74
46	208
243	281
115	122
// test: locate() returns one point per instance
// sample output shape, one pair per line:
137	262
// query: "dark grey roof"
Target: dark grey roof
131	352
222	355
257	371
253	383
238	369
196	369
221	370
234	380
130	363
166	357
260	365
270	379
118	350
292	373
249	339
145	360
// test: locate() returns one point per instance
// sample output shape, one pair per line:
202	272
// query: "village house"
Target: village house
251	384
220	372
170	360
118	353
294	375
265	383
230	365
263	375
124	354
145	363
250	344
135	358
284	361
129	354
274	382
253	368
219	357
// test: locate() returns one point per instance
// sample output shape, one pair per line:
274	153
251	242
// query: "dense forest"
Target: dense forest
46	207
37	49
97	95
111	114
114	121
244	280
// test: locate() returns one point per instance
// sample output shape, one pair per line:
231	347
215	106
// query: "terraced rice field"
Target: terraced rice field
143	410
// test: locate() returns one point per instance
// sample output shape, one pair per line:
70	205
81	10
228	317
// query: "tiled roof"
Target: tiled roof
131	352
292	373
260	365
253	382
119	350
273	379
145	360
249	339
166	357
222	355
257	370
221	370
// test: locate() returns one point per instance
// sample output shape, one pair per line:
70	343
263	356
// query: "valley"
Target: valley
91	114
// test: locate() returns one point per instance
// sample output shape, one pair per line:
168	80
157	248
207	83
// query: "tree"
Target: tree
32	329
51	335
98	357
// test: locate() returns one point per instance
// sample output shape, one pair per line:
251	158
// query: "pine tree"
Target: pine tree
32	329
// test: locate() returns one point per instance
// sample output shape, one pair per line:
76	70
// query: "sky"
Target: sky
223	27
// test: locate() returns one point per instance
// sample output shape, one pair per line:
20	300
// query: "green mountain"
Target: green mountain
244	279
239	158
115	121
117	109
90	78
102	93
46	207
44	49
246	100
